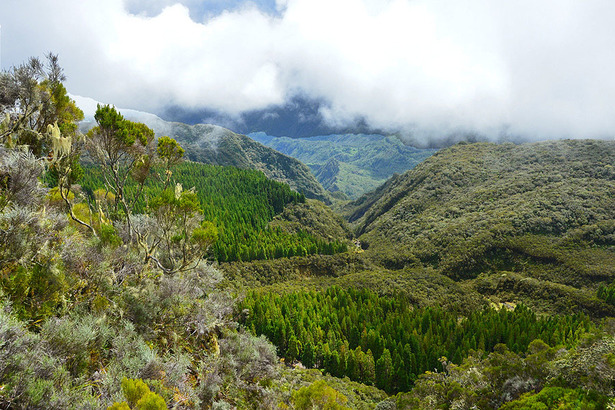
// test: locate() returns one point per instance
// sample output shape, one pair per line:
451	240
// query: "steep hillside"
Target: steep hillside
352	164
256	217
216	145
313	217
541	215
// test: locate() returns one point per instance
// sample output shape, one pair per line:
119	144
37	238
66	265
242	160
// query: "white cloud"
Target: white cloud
541	69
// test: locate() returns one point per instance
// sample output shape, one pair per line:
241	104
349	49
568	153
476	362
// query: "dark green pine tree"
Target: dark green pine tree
369	368
332	365
307	357
294	349
352	367
384	372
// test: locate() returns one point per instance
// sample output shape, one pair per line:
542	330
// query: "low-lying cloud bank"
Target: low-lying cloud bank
426	67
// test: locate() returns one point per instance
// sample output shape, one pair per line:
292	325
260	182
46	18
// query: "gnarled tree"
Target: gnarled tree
32	98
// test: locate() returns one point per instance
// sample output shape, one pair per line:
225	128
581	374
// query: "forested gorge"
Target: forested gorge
463	290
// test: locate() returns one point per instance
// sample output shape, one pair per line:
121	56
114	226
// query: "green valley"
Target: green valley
503	216
190	267
349	164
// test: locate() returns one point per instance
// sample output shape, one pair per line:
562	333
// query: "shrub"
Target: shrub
138	396
319	395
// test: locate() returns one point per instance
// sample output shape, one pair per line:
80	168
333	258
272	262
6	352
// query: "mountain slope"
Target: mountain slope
352	164
542	215
216	145
256	217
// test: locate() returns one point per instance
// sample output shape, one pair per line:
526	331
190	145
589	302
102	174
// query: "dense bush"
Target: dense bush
540	379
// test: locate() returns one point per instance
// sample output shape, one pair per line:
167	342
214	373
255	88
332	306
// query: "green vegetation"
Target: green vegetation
319	395
314	270
350	164
211	144
607	293
473	212
481	279
542	188
386	342
544	378
138	396
241	204
559	397
100	305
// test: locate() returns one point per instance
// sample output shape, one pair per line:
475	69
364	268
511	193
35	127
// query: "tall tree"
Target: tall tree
37	113
123	149
384	372
308	355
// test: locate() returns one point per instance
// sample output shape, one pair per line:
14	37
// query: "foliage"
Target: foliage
173	236
169	151
319	395
29	375
285	271
108	235
592	365
385	341
177	231
133	390
19	185
421	287
241	204
315	218
33	98
122	149
41	119
507	380
359	396
607	293
32	275
138	396
558	397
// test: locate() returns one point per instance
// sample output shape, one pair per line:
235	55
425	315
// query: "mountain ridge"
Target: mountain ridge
502	216
349	163
217	145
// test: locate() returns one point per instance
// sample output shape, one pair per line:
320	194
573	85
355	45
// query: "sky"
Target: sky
538	69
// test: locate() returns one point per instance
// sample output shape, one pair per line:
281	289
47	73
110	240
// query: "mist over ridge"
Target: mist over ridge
428	70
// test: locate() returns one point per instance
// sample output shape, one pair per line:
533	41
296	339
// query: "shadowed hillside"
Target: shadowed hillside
216	145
